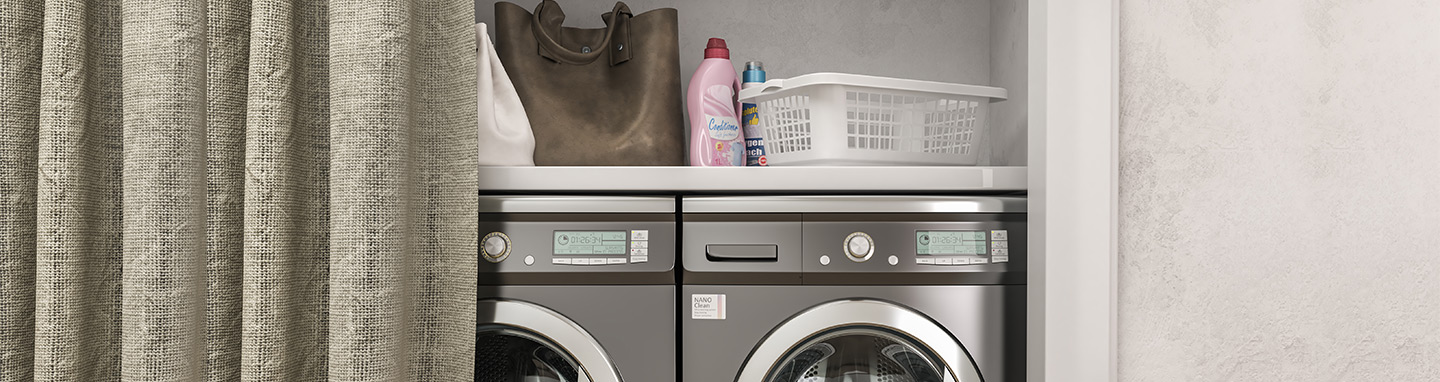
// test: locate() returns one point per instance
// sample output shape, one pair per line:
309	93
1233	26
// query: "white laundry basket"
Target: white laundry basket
837	119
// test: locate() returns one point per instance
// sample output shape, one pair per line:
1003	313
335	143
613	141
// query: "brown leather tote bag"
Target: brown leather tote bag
601	97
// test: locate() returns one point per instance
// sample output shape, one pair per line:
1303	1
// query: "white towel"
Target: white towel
505	135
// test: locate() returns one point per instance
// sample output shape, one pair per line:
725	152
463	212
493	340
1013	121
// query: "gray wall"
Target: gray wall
936	40
1279	191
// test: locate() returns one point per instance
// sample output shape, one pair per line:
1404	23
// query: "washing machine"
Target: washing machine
853	288
576	288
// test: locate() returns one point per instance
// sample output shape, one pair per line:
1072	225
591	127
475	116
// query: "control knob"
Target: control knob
495	247
859	247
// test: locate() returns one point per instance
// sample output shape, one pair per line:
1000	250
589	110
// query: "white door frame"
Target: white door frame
1073	165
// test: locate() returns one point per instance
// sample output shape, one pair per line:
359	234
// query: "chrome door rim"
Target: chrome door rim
851	313
594	362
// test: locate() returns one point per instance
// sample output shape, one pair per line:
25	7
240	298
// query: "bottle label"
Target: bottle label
722	127
719	107
754	145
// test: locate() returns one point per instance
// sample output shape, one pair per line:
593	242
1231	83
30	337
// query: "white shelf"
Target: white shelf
753	179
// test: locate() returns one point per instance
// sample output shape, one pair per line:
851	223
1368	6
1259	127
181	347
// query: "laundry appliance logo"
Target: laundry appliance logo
707	306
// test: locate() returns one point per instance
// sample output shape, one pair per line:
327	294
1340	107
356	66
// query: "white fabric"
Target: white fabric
505	135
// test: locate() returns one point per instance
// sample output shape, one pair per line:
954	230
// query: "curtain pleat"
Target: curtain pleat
266	190
163	275
20	57
79	211
227	67
444	333
287	159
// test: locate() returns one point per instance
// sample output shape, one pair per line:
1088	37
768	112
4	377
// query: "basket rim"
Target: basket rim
780	86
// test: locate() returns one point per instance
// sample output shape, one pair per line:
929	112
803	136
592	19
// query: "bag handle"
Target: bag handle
548	16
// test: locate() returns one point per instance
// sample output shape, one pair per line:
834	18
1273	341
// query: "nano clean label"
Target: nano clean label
707	306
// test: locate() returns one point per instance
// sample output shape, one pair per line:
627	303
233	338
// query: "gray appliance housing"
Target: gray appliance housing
977	308
616	320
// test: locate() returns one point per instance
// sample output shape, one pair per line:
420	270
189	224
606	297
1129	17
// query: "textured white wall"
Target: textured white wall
1280	190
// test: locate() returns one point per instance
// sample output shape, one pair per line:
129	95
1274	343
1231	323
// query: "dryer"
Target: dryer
853	288
576	288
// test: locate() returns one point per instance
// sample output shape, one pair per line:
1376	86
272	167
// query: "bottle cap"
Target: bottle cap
754	72
716	49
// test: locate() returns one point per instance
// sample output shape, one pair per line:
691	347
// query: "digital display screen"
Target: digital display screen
950	243
590	242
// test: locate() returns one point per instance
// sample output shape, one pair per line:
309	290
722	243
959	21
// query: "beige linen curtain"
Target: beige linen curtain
262	190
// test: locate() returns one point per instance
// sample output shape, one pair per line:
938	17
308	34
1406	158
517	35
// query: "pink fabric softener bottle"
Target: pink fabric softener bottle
715	135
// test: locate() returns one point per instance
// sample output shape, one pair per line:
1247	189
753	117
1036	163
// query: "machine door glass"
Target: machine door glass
859	340
860	354
514	355
518	341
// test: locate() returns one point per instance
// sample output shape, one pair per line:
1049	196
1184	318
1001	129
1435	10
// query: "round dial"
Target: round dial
859	246
495	247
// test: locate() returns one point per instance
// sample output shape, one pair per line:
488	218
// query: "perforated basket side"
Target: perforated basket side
787	125
829	124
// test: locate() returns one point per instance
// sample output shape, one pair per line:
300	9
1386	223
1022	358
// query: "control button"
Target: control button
640	234
1000	259
639	259
639	252
560	260
494	244
999	235
979	260
495	247
925	260
639	244
615	260
944	261
529	260
894	260
859	247
824	260
960	261
1000	244
588	261
999	252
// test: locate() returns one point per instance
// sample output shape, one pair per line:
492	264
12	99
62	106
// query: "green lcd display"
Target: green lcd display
950	243
590	242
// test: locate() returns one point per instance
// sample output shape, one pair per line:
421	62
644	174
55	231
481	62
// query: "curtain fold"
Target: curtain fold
261	190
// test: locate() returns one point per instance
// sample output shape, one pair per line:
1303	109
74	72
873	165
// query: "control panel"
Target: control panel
910	243
576	240
576	247
962	247
600	247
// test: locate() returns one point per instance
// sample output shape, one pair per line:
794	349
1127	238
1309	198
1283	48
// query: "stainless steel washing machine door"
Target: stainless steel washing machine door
518	341
859	340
